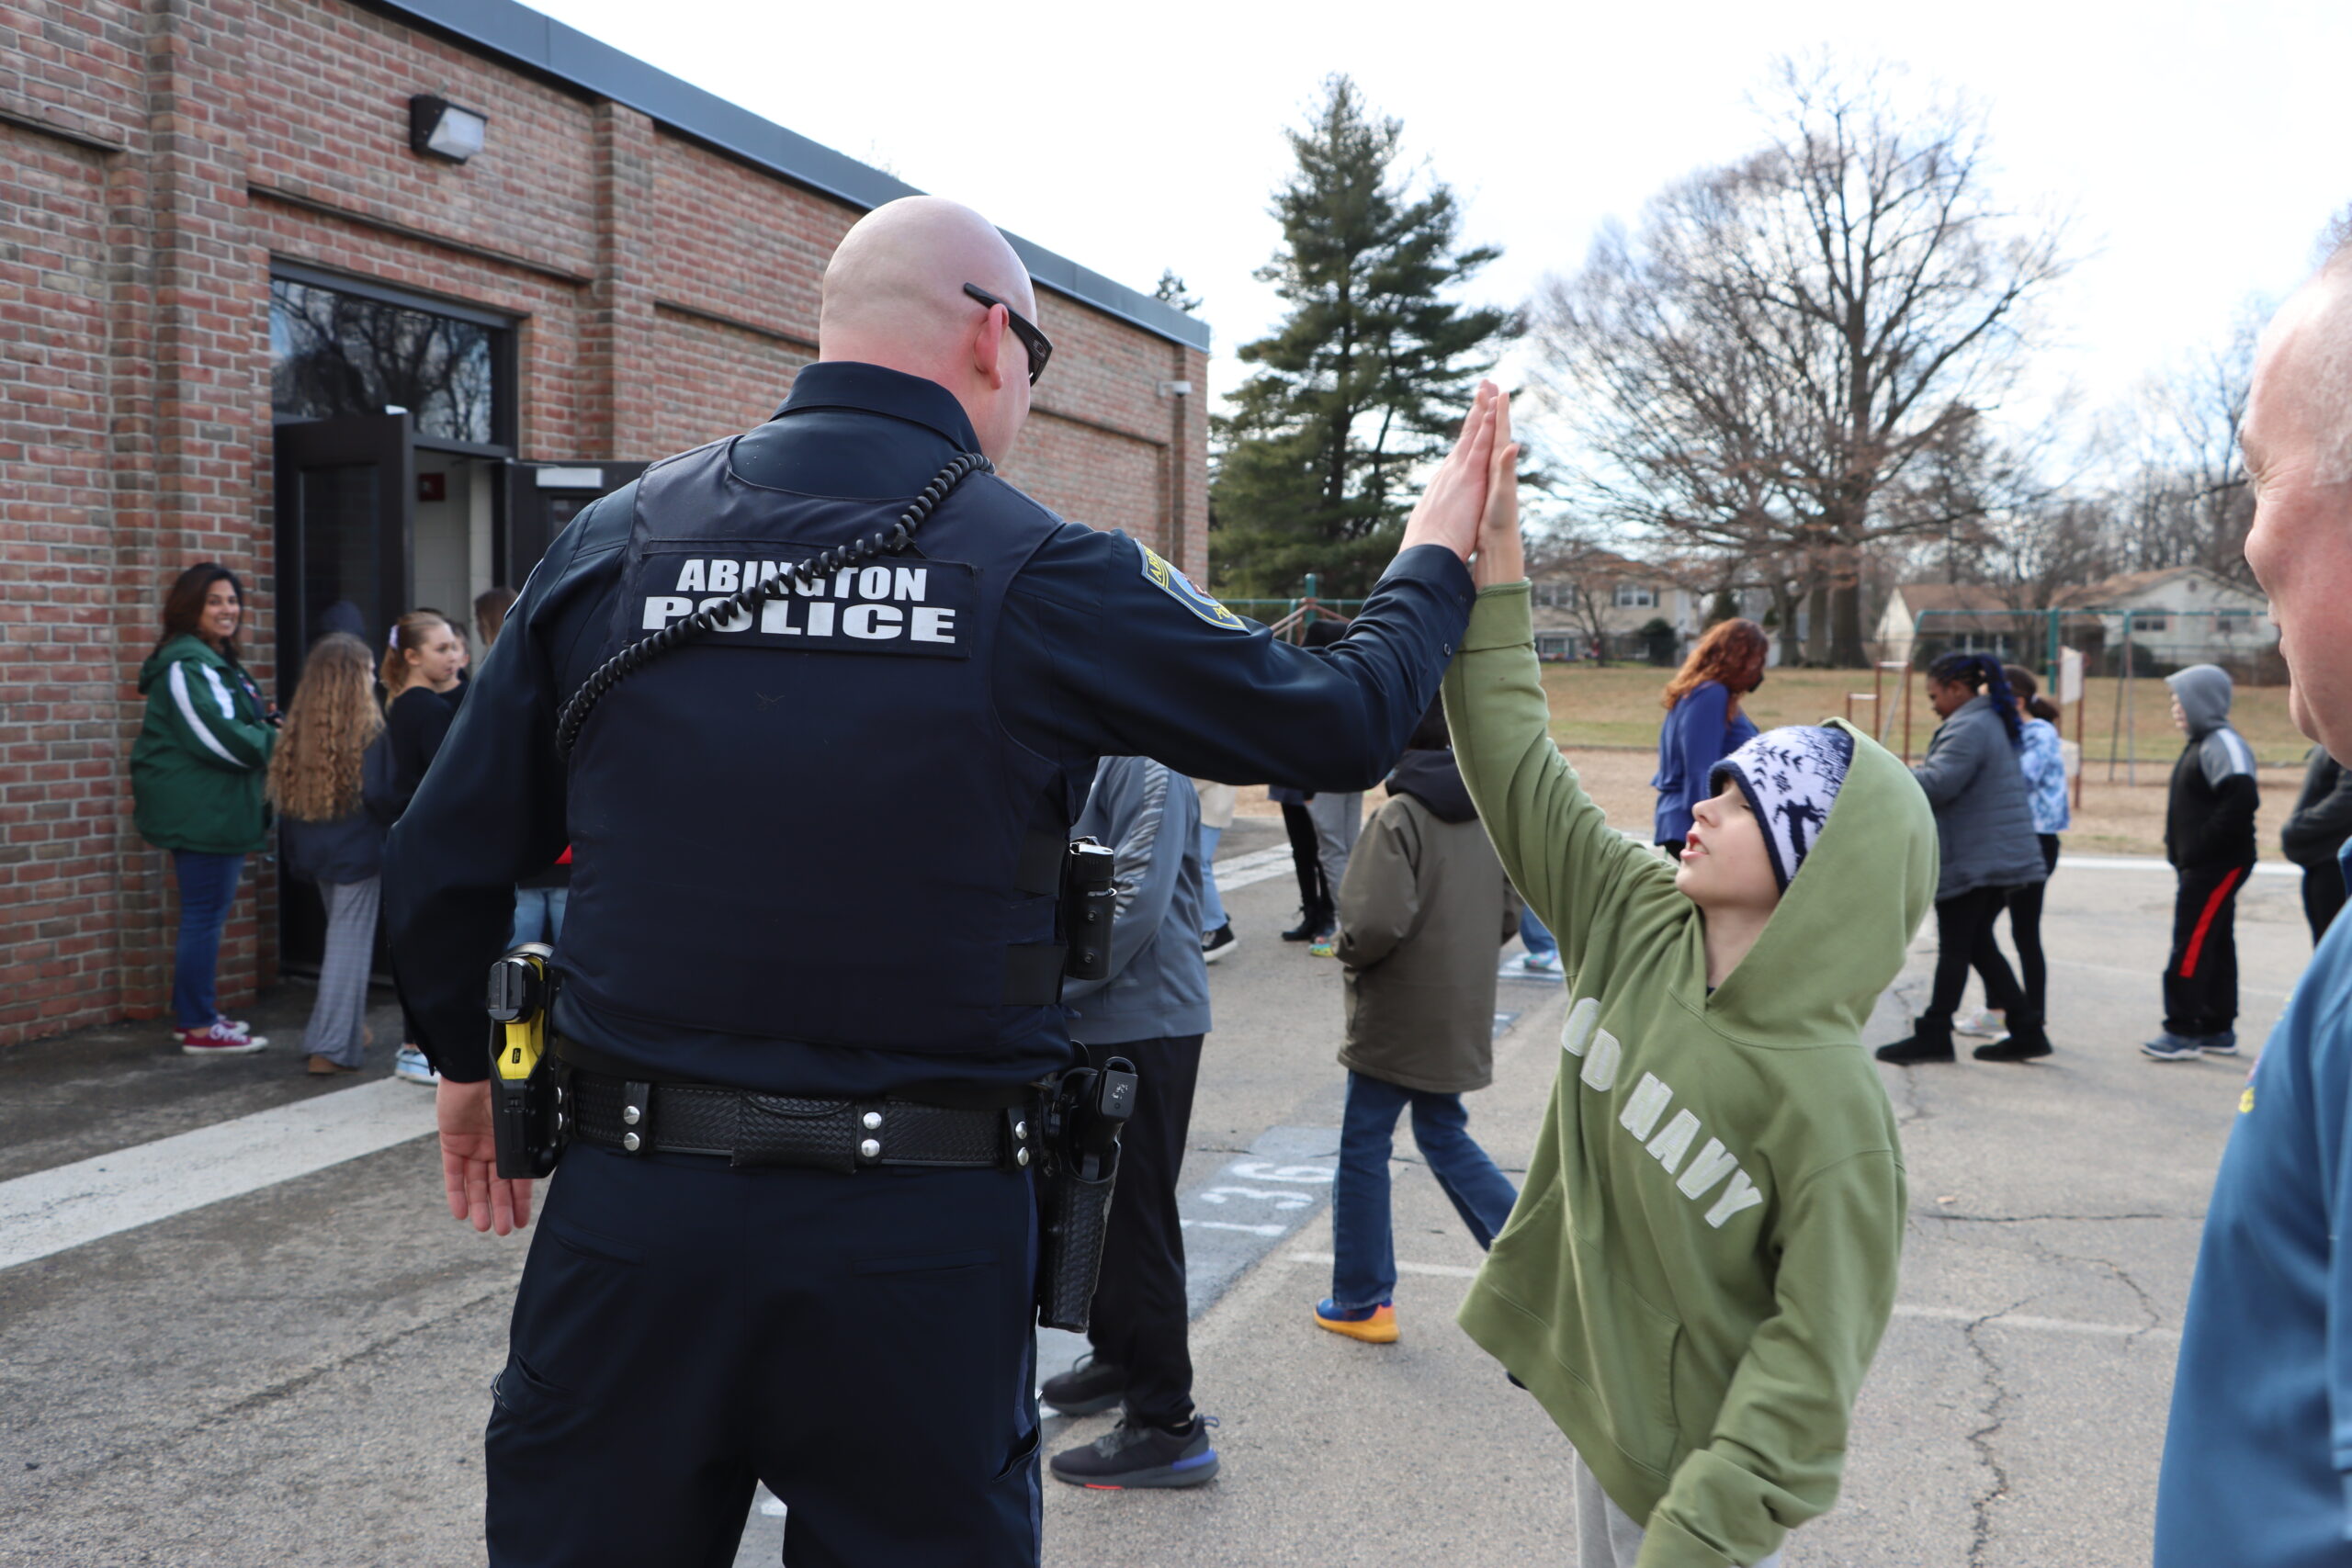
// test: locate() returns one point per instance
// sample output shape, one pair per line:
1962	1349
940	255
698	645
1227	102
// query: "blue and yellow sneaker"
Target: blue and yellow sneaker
1373	1324
1132	1455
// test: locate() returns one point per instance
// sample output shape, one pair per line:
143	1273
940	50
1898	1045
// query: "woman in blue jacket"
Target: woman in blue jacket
1703	724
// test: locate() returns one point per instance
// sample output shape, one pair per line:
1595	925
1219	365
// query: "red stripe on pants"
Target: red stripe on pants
2205	920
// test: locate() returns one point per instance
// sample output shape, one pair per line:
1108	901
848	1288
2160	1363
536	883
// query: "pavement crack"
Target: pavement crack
1995	1414
286	1388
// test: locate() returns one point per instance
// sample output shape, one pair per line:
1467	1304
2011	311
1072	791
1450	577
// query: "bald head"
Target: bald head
894	296
897	282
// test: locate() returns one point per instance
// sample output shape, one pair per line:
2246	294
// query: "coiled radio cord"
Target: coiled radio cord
638	654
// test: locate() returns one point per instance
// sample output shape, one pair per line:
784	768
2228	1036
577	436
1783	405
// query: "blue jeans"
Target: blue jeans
208	886
539	914
1533	936
1364	1263
1212	906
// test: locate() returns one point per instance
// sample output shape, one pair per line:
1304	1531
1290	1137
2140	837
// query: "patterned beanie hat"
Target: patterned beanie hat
1790	777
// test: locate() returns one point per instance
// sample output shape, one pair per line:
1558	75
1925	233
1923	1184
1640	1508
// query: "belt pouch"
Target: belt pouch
815	1135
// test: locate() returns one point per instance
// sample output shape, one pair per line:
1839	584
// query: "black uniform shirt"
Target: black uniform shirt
1102	652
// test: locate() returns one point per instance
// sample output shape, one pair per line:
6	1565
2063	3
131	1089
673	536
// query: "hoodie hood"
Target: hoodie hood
171	651
1431	778
1841	931
2204	692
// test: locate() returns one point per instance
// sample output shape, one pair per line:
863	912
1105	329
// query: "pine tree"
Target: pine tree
1363	381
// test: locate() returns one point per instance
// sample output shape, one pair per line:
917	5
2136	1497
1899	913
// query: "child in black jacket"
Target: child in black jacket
2209	838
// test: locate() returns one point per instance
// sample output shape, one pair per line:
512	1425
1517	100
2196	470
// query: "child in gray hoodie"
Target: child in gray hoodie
2209	838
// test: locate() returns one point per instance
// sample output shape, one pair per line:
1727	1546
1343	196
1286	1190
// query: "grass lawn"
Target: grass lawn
1618	707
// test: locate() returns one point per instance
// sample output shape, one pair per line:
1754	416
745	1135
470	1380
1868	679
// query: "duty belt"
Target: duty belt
753	1129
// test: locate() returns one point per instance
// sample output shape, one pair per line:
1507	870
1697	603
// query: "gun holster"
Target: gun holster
1084	1113
528	1114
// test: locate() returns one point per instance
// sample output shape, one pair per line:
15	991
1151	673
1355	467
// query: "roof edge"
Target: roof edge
512	32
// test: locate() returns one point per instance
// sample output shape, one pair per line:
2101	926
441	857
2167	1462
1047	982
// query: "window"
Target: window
2150	621
334	351
1636	596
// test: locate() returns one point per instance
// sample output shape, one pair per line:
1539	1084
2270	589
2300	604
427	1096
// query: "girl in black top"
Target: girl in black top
420	676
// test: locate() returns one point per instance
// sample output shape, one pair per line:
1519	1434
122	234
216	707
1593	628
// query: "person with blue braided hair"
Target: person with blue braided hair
1989	851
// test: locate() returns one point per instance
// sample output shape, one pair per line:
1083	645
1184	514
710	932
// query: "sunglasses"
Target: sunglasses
1031	338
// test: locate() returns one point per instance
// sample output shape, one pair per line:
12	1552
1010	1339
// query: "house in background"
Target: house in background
1590	594
2178	615
1931	618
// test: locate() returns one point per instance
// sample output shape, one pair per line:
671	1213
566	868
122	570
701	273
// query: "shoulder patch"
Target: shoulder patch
1178	587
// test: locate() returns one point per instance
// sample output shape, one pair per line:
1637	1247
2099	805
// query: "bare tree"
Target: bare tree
2186	501
1783	356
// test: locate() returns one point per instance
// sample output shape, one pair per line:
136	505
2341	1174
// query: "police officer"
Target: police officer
813	889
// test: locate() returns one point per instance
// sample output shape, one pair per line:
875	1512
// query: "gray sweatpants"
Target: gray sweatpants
1339	819
1606	1536
339	1016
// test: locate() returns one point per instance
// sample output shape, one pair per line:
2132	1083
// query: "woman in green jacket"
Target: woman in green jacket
1703	1255
196	780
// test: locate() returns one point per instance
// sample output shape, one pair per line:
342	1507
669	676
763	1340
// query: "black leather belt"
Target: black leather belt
750	1129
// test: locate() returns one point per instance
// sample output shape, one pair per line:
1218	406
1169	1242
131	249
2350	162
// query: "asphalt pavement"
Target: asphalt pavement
237	1326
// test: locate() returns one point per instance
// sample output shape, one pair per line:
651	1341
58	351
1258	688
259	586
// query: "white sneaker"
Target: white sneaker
410	1065
1984	1024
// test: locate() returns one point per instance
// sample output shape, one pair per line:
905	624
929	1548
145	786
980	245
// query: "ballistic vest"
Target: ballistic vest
807	824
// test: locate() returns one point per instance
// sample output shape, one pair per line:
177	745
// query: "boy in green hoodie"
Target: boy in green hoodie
1704	1253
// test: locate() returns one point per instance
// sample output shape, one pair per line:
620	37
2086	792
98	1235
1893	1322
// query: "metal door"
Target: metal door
542	497
346	488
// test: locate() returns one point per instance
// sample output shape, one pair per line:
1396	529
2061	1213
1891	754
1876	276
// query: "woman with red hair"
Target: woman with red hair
1703	724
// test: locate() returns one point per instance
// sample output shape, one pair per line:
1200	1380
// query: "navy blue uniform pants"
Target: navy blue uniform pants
861	1342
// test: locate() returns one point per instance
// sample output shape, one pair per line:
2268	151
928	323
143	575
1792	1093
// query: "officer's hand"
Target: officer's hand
1500	557
469	1161
1448	511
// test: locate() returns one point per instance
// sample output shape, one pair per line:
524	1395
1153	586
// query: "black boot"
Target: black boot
2025	1041
1313	925
1930	1041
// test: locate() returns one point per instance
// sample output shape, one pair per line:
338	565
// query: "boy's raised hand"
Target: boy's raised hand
1500	556
1448	513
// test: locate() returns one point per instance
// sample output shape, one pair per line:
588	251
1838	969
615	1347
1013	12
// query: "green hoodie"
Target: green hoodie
197	768
1705	1254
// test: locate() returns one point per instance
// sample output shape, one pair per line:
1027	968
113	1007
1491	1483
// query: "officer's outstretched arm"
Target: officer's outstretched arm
1111	652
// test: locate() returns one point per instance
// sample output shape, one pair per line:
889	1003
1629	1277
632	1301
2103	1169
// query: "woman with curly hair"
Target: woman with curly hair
1703	724
330	838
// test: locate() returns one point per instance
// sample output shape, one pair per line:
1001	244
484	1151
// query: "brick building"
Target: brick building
247	313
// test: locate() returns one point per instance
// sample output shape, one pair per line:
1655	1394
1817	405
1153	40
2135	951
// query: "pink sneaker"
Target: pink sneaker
218	1040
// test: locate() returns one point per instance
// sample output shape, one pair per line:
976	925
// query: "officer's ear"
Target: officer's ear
990	342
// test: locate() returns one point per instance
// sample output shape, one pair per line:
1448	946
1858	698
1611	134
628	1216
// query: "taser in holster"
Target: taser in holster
526	1114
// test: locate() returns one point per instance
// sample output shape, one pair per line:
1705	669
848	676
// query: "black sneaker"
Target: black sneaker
1313	927
1217	944
1090	1385
1137	1456
2010	1048
1912	1052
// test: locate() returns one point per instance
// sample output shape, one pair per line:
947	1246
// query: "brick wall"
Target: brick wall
154	158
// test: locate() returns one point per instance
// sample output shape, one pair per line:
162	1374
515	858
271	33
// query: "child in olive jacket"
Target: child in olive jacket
1704	1251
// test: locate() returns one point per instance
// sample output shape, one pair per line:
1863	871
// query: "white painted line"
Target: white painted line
1902	1309
2027	1320
70	1205
2154	862
1257	865
1229	1226
1443	1270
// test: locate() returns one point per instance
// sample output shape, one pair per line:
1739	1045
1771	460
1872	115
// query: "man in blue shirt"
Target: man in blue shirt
2257	1468
796	1238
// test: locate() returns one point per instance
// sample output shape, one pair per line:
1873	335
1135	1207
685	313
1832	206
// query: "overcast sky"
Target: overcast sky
2201	146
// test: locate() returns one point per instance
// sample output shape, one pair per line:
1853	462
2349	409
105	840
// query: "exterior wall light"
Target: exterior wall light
442	128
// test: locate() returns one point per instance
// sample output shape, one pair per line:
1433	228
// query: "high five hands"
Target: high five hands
1471	506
